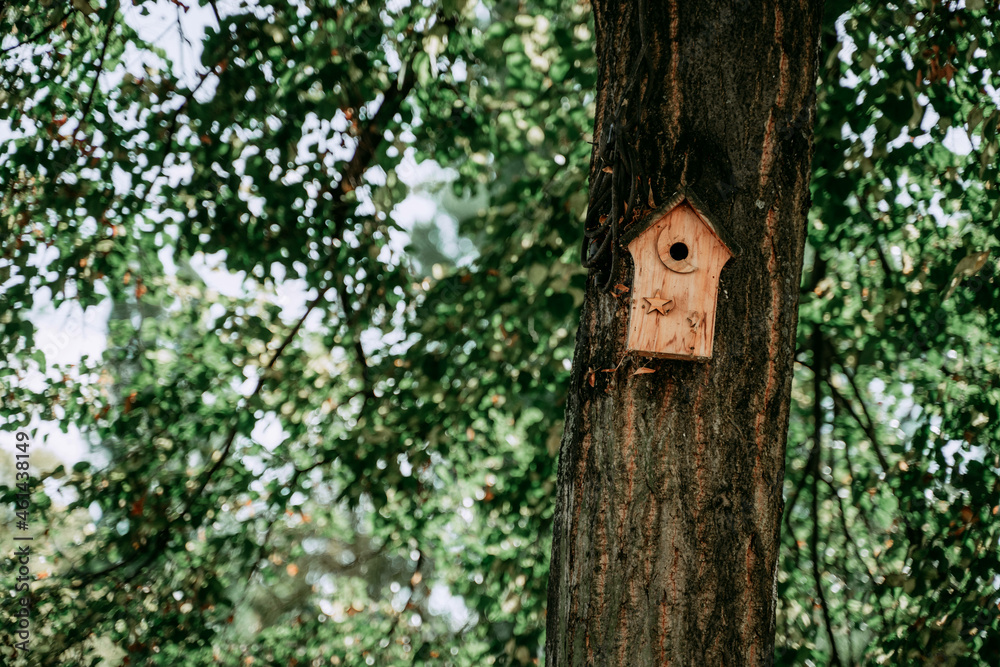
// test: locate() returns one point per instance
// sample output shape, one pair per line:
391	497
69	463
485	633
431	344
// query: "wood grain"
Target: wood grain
691	282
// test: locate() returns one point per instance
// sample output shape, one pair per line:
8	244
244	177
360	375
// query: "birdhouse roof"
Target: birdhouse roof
673	201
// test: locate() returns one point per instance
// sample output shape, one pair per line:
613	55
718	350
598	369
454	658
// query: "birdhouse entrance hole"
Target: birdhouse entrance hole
679	251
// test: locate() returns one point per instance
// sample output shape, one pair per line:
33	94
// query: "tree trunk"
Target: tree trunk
670	483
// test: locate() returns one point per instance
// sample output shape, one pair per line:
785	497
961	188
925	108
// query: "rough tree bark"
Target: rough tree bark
670	483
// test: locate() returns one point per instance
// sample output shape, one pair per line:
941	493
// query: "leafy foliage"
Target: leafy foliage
402	511
893	454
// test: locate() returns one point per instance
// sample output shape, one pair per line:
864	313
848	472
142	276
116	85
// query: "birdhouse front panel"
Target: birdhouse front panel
678	259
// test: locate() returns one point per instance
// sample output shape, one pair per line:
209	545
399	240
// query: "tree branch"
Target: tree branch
257	389
868	428
818	362
813	453
850	540
372	137
883	260
817	576
100	70
373	134
41	33
155	546
843	556
172	128
350	319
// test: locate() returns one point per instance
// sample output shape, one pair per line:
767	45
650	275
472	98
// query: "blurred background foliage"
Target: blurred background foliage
323	429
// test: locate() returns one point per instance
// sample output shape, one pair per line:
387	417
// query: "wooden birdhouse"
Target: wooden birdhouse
678	254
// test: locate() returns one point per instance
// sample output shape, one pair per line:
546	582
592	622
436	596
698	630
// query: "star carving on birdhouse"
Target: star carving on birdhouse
678	253
658	305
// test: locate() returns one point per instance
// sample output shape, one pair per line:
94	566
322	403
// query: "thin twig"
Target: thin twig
215	10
